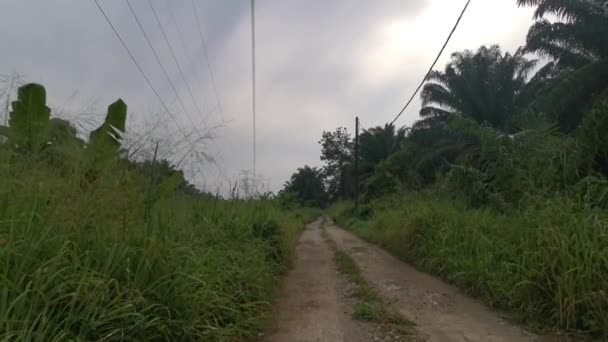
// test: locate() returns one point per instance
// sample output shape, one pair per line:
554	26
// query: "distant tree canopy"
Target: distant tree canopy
491	130
378	143
336	152
308	186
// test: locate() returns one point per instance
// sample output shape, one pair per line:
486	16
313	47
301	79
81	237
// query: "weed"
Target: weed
95	259
370	307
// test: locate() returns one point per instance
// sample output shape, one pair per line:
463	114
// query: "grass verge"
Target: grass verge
546	265
370	307
91	258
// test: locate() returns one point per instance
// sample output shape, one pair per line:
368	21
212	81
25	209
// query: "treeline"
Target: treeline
483	93
502	185
95	246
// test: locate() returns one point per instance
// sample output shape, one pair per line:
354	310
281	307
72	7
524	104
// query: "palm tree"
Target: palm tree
578	43
579	37
378	143
482	86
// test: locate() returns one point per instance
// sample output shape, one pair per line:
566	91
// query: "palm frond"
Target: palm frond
570	96
431	111
436	93
566	42
566	9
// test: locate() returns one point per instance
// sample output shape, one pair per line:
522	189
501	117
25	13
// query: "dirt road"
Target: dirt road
314	307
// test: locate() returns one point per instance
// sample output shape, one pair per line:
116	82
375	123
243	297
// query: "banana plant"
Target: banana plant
28	120
104	142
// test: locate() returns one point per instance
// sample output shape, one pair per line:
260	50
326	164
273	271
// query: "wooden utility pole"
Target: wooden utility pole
357	164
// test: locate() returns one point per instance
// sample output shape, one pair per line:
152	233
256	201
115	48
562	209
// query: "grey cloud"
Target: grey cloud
314	68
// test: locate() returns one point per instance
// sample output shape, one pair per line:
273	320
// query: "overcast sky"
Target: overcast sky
319	64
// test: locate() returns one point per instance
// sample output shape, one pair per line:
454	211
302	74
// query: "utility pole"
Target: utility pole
255	188
357	164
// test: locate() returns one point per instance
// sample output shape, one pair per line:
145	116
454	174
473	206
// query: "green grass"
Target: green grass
86	258
547	264
369	306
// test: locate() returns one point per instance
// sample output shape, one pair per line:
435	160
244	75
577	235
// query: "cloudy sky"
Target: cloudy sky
319	64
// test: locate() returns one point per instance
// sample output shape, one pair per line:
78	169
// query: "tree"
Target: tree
578	43
482	86
579	37
428	151
336	152
377	144
308	186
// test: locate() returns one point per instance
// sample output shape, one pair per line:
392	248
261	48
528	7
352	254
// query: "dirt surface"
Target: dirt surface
441	312
316	306
313	307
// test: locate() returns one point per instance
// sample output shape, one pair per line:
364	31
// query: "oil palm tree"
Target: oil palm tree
578	37
482	86
578	43
378	143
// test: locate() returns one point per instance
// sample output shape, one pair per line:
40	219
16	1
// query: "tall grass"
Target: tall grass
94	258
546	264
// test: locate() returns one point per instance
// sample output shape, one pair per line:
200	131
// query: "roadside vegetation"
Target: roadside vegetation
501	187
97	247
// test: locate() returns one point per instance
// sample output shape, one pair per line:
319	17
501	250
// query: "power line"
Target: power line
180	35
181	129
179	32
222	172
253	83
141	71
200	33
435	62
162	29
162	67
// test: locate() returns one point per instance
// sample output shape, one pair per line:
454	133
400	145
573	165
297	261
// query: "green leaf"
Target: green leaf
29	119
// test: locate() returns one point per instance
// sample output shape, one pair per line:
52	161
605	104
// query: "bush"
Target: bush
592	192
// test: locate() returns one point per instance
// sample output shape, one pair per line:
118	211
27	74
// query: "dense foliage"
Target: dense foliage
307	186
97	247
578	44
498	79
502	186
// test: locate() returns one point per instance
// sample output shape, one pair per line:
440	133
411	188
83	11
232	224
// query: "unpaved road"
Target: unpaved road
314	308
